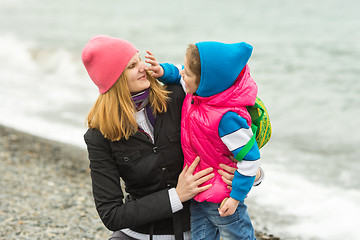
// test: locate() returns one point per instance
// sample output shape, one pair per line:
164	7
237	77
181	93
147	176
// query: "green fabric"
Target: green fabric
258	120
260	117
261	128
240	156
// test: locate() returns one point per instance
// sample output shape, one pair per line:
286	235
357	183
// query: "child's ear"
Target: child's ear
198	81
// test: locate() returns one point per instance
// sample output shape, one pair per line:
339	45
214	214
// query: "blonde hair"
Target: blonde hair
193	59
114	111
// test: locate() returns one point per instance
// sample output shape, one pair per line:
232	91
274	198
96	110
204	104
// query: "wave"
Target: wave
295	207
44	92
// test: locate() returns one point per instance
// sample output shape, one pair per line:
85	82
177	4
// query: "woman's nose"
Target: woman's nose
141	66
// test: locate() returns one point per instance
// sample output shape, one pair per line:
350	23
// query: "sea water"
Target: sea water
305	62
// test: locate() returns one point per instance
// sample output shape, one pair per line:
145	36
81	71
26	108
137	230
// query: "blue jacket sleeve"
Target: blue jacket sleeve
171	74
235	133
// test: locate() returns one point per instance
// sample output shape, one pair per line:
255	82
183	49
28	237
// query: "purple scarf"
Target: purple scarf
141	101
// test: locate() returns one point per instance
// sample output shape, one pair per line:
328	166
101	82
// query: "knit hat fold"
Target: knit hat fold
105	58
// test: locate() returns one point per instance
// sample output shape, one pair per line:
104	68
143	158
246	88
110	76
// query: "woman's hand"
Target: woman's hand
188	184
155	69
227	175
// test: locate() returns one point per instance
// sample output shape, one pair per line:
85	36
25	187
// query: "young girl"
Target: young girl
215	124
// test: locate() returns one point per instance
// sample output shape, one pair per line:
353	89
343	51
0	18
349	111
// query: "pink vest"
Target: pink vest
199	131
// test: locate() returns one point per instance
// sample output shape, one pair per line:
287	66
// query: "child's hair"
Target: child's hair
114	113
193	59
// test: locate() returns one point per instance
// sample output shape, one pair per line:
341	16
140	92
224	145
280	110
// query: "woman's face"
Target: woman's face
136	75
189	78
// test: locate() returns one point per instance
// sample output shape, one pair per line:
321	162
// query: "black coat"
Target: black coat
148	171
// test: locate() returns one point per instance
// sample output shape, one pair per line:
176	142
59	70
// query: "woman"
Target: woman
134	134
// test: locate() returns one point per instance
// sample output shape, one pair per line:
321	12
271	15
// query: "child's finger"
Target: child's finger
149	68
223	202
223	211
150	57
152	62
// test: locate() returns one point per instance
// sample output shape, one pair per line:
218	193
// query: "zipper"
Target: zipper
191	110
147	135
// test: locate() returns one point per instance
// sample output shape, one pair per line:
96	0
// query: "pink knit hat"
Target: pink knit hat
105	58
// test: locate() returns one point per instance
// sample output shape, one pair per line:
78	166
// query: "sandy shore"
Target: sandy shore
45	190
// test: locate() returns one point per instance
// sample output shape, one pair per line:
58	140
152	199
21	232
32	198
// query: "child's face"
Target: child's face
189	78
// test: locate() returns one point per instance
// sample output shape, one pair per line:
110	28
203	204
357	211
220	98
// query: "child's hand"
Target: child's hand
228	207
155	69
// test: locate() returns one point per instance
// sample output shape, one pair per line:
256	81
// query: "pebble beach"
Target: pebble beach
45	190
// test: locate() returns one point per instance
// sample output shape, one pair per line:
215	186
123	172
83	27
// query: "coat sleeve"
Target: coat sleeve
108	195
171	73
235	133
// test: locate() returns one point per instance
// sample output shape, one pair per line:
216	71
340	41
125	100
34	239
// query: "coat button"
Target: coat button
155	150
126	159
164	168
168	185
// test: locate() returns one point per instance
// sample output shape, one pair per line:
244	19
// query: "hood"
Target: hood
221	64
241	94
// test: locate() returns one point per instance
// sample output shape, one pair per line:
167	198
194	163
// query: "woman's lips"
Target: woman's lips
142	77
